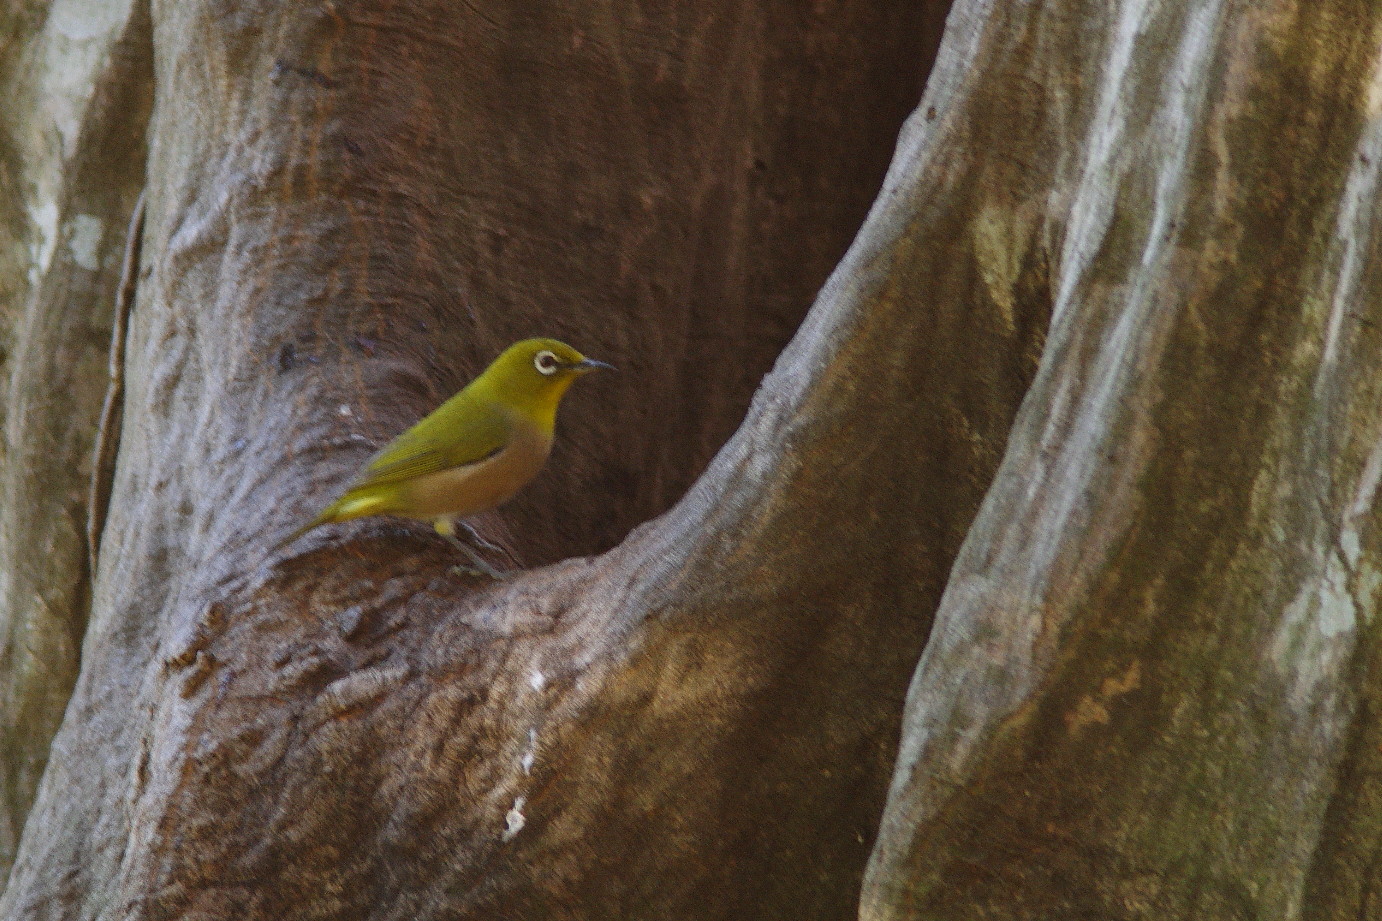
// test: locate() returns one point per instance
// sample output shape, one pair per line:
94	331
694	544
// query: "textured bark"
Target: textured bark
349	207
1152	689
78	84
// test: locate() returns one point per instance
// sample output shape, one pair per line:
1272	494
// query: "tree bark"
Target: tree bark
1152	687
78	85
1146	536
348	209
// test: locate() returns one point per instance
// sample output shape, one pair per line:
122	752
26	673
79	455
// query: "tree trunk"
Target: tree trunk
78	88
1150	688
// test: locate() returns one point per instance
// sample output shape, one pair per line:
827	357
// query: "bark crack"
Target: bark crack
108	431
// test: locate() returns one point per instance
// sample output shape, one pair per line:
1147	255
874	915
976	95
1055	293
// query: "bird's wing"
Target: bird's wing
466	433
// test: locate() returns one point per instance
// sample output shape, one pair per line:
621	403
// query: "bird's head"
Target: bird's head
533	375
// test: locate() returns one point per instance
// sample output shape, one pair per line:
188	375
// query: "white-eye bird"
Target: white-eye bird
474	451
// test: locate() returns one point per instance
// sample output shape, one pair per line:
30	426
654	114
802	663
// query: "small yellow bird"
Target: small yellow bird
474	451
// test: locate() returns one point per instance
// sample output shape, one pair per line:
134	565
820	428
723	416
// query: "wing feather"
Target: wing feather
457	434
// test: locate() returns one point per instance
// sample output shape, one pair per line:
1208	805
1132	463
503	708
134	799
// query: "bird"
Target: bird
472	453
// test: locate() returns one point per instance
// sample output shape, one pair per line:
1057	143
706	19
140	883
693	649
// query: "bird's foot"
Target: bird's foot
478	565
476	539
474	572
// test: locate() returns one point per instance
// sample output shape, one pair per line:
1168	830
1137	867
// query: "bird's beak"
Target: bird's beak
590	364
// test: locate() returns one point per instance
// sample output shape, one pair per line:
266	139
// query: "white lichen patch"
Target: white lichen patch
514	820
1318	629
63	71
78	37
84	241
1337	613
1351	546
43	216
530	754
537	680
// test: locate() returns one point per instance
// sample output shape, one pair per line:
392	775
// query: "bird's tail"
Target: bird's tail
343	509
321	519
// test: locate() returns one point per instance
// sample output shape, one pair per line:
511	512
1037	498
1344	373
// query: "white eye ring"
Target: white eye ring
545	362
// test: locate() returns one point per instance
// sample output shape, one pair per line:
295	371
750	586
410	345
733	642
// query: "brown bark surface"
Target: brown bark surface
1096	385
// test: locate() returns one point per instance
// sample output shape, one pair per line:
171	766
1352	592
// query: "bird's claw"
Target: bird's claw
475	572
478	565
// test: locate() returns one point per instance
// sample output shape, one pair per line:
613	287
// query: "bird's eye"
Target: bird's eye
545	362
